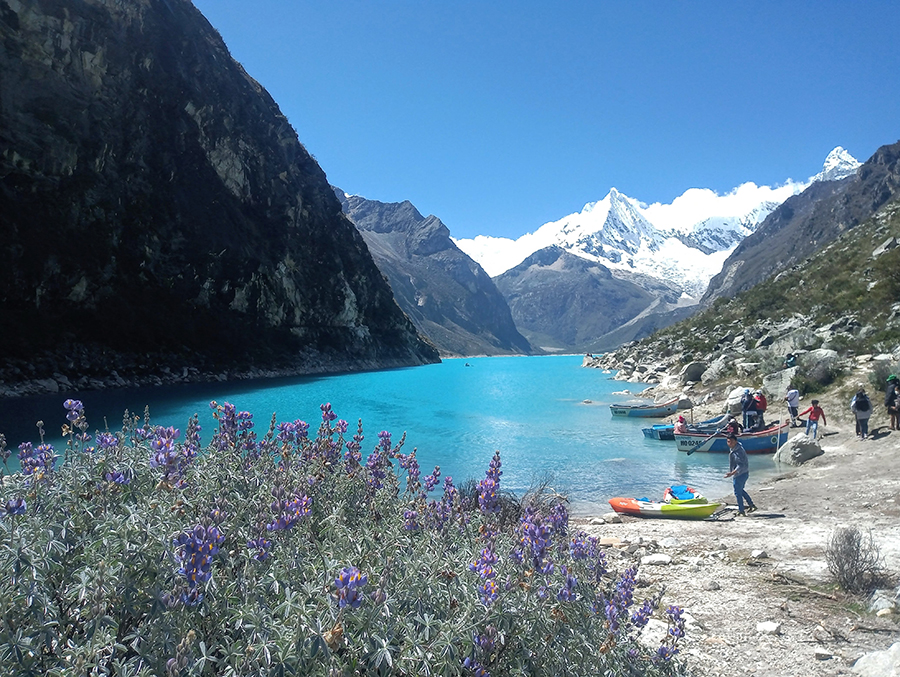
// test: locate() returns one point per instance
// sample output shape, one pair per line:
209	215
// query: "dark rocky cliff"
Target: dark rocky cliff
448	296
156	207
805	223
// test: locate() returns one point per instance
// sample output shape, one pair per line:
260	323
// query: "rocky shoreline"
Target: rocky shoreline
86	368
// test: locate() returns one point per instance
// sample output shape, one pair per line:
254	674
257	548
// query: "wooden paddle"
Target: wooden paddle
702	445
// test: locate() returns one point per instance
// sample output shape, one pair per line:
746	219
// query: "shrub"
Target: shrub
143	553
880	371
855	561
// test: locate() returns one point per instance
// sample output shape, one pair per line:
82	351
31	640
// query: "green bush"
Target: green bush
143	553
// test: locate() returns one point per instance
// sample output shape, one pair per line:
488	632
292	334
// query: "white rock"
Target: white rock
822	655
879	663
797	450
611	518
653	633
670	542
759	554
656	559
768	628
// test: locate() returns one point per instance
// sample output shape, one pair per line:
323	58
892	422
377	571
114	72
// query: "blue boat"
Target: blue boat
765	441
645	410
666	431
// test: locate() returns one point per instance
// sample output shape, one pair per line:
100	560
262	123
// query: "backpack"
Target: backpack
862	403
761	402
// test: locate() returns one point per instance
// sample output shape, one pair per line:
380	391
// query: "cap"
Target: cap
681	418
892	377
730	436
746	390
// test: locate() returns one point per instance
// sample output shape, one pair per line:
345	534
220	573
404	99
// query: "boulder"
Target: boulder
798	450
733	401
879	663
768	628
656	559
716	369
693	371
776	385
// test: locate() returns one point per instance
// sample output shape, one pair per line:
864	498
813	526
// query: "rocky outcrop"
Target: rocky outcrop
448	296
157	209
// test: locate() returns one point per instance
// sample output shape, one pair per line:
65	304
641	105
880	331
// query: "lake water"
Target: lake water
544	414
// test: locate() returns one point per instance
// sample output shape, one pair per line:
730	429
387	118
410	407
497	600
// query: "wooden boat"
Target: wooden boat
646	410
765	441
666	431
639	507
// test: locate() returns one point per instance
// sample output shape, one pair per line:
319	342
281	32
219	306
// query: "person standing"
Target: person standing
748	408
793	404
815	413
862	409
892	401
739	471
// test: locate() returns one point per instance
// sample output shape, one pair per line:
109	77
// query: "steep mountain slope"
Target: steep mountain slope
155	202
448	296
563	302
807	222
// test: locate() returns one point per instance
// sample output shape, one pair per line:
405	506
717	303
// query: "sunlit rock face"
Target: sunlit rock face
154	200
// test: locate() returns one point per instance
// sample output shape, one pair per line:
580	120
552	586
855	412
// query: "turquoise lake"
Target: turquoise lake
546	415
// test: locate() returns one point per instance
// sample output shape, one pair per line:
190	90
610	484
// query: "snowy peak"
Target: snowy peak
838	165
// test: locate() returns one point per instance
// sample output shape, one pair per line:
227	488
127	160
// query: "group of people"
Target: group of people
860	405
753	408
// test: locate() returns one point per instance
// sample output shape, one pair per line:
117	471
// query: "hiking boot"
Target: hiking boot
741	513
752	508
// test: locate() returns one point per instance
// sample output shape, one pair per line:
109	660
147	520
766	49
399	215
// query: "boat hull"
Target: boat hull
666	431
763	442
645	410
685	511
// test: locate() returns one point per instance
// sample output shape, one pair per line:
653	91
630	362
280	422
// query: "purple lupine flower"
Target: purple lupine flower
166	456
488	592
192	438
581	546
411	466
534	543
36	461
476	668
484	565
432	479
348	583
487	640
262	546
489	487
15	506
194	552
353	457
559	521
107	441
410	522
288	512
118	477
74	409
641	617
676	621
567	592
666	652
225	438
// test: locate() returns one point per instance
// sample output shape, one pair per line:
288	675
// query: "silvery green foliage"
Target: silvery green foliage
145	553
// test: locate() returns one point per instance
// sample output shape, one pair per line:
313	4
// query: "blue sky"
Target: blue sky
500	116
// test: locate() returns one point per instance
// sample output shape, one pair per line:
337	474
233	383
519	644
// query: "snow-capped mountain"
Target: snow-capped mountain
838	165
683	243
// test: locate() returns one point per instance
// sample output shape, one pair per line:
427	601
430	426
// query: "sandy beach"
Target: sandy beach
769	568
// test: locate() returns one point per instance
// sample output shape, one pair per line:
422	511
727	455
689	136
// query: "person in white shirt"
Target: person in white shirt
793	403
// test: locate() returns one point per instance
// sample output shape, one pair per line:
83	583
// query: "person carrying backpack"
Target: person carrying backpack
862	409
892	401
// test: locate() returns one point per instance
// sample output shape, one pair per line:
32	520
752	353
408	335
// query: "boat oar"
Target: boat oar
702	446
